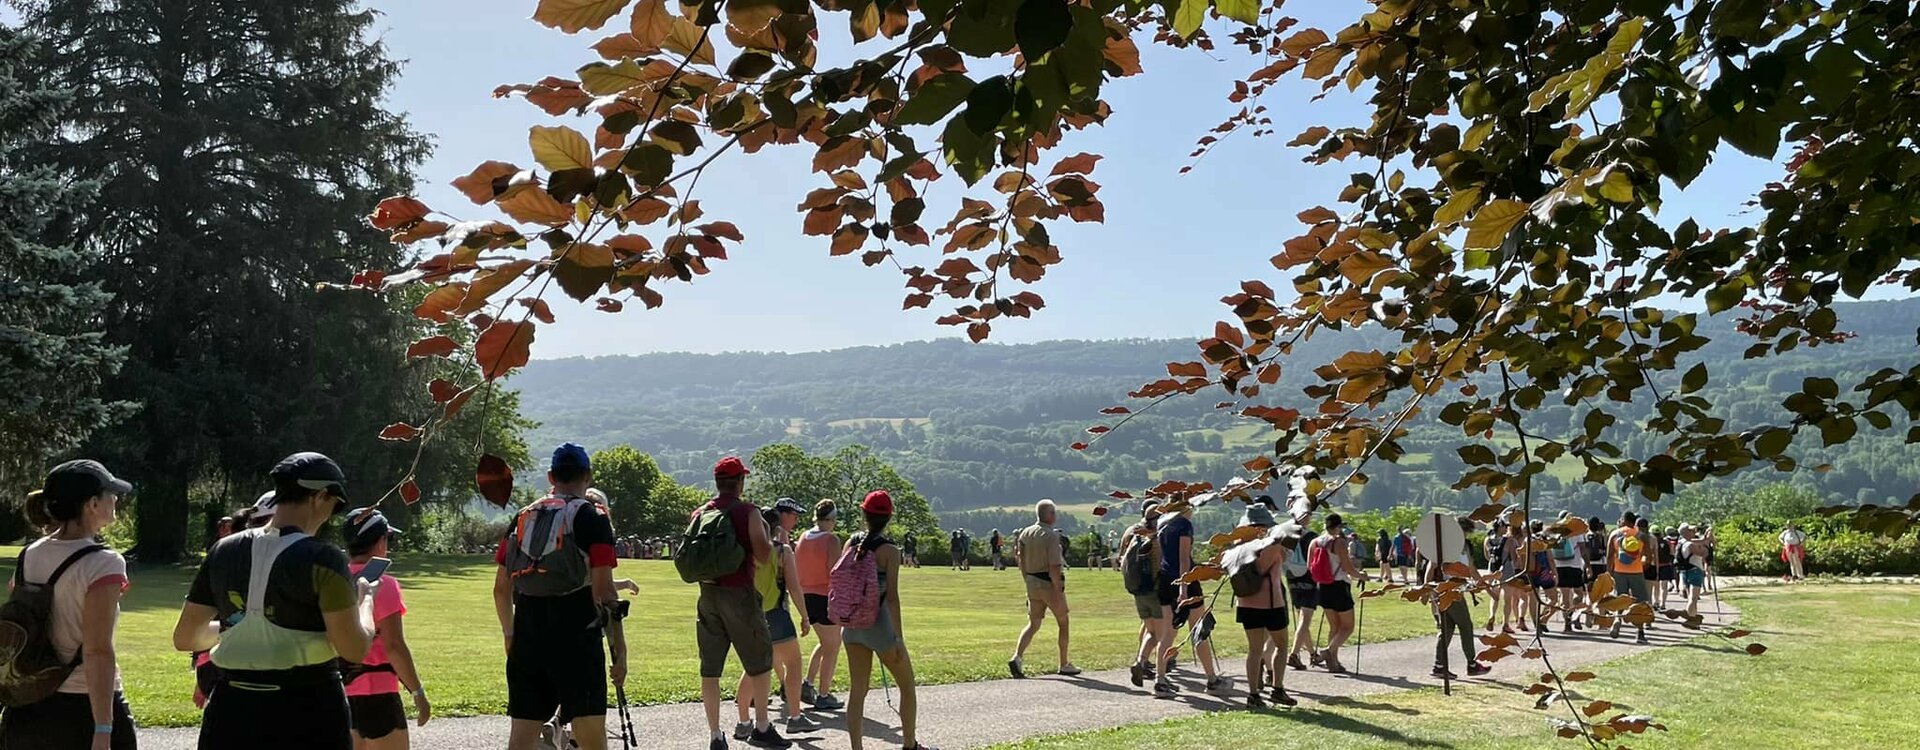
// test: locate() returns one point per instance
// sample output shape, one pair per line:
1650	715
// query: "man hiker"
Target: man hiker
1455	619
373	695
1627	551
554	596
1036	551
910	550
994	544
729	611
276	606
1335	576
1140	573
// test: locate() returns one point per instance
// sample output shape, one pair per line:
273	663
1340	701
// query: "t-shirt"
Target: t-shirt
815	557
103	568
1172	529
740	512
310	577
1039	549
386	603
1792	538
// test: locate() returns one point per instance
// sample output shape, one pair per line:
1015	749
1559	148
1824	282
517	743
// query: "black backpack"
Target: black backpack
30	668
1140	567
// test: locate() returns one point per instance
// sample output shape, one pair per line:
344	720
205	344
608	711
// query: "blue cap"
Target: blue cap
571	456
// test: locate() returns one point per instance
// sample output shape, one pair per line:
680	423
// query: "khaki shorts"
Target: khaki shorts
1148	606
731	618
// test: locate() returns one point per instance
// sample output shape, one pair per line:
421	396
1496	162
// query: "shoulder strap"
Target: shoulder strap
71	559
266	549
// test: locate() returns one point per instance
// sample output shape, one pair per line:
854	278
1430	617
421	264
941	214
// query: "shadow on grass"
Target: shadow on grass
1338	723
1340	701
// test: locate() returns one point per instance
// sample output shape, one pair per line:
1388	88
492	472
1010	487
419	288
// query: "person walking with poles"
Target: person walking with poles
1036	551
1260	606
66	590
723	546
819	548
373	690
1693	566
554	596
1140	574
1331	563
277	606
866	597
1456	618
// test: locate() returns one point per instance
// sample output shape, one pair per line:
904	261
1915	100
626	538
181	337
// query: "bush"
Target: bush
453	531
1754	549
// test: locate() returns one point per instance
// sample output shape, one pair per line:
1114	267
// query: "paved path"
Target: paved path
978	714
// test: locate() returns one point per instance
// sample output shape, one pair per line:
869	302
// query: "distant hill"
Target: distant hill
987	426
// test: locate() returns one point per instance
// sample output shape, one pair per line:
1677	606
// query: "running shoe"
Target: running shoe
826	702
802	724
1138	673
769	737
1013	668
1476	669
1069	671
1293	660
807	695
1444	673
743	730
1164	689
1218	684
1318	658
717	744
1254	703
1280	698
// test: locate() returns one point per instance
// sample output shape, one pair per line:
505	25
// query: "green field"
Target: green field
1841	672
961	626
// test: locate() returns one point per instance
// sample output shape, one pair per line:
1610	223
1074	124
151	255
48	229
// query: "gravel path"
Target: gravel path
978	714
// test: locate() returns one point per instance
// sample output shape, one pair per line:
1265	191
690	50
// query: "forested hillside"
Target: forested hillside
988	426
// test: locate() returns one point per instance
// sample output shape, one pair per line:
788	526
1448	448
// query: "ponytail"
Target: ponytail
36	511
876	524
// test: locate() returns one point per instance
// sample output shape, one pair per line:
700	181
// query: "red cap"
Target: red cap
729	468
878	502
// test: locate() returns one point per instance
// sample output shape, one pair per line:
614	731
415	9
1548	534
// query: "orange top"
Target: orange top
815	556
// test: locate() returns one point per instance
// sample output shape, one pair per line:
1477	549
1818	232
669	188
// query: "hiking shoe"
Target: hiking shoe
1334	667
826	702
1293	660
717	744
1164	689
1138	673
1218	684
743	730
1317	658
1476	669
1642	640
807	695
802	724
1069	671
1280	698
1254	703
1444	673
1013	668
769	737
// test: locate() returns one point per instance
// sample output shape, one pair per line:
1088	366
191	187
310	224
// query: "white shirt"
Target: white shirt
1792	538
103	568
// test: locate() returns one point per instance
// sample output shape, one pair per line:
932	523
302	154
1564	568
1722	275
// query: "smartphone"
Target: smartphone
375	568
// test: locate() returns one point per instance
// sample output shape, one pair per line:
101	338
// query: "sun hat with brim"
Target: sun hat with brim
1257	515
83	478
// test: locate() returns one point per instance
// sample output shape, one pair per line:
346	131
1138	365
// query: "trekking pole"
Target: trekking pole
1360	628
626	716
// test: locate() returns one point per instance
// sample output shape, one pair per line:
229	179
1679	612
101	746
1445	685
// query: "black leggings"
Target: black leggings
64	721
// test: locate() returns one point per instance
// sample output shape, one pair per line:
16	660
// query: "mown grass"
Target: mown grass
961	626
1840	672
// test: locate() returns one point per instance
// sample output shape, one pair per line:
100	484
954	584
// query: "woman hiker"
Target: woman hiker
884	639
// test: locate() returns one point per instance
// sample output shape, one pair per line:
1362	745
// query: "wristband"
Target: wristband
103	729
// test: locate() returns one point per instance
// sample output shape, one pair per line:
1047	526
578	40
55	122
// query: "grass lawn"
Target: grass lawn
961	626
1840	672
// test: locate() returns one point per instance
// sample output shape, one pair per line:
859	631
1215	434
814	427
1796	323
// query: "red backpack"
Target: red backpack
1320	562
853	588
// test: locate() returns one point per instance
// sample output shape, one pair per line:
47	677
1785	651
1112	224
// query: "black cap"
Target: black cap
364	527
312	471
82	479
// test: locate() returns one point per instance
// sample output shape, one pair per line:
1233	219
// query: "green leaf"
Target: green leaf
1041	26
1755	132
1773	442
601	79
938	96
1490	226
1244	11
750	65
649	164
1187	19
970	155
983	28
1457	207
1617	187
988	104
1695	379
1726	295
1625	36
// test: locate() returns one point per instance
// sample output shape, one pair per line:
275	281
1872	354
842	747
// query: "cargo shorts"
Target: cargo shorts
731	618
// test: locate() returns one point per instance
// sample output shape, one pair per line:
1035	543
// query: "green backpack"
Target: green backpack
708	549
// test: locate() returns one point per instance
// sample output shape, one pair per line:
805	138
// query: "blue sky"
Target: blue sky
1171	246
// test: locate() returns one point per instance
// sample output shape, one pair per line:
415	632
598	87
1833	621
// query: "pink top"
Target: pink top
386	603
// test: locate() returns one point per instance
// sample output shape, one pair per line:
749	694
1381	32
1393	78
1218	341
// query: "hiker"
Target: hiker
1262	613
911	547
994	546
819	548
1596	559
1498	560
1627	550
882	637
1383	551
1356	549
1306	598
1042	563
1188	601
1455	619
1692	563
1406	555
1793	551
554	595
373	695
1096	554
204	673
276	606
772	581
729	616
1332	566
1541	575
1665	571
75	583
1569	574
1140	574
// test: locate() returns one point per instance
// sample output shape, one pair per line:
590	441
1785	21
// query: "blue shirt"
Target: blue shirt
1171	530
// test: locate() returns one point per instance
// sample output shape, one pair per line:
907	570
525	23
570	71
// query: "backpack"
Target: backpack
709	549
1248	580
1140	568
1320	562
1596	547
30	668
853	588
541	560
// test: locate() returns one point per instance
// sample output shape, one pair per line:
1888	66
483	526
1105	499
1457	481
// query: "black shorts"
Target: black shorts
307	716
376	716
548	672
817	610
1168	592
63	720
1336	596
1304	594
1665	573
1185	613
1274	620
1570	578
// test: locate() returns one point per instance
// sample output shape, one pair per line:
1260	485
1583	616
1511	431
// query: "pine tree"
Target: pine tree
52	356
238	144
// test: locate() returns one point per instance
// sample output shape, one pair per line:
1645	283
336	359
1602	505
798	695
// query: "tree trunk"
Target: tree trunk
161	520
